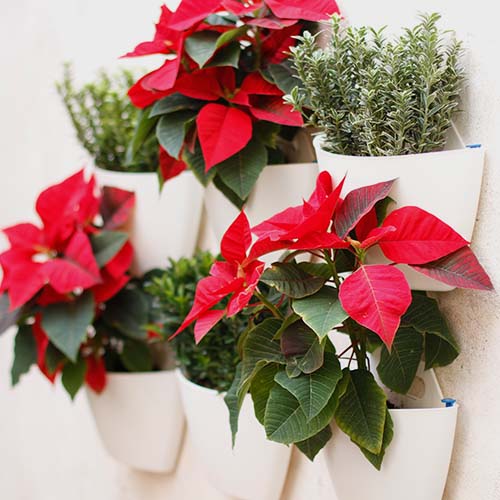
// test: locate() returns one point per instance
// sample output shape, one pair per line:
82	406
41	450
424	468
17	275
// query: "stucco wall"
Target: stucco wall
48	446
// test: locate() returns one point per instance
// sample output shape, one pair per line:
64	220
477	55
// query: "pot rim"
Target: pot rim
434	409
317	142
189	383
138	174
130	375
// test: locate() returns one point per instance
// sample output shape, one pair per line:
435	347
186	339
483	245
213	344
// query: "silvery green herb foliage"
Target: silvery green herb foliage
376	96
105	120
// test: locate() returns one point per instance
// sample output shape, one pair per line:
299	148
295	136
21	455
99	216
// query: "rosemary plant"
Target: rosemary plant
105	120
379	96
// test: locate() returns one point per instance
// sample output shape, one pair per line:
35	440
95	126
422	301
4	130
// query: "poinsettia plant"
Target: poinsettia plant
60	277
216	104
300	309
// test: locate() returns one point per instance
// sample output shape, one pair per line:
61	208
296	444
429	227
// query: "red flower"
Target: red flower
95	376
236	277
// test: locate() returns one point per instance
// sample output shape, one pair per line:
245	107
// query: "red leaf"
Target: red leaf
24	236
109	287
42	343
316	241
207	84
376	297
50	296
95	376
255	84
357	204
223	131
239	9
163	78
280	223
273	109
190	12
367	223
272	23
420	237
242	297
310	10
76	269
141	97
121	262
116	207
375	235
206	322
170	167
265	246
460	269
277	44
236	240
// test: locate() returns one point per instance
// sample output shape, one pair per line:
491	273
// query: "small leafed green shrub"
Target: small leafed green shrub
212	363
379	96
105	120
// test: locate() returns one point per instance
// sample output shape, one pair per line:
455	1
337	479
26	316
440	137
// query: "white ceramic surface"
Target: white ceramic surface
164	224
140	420
446	184
278	187
255	469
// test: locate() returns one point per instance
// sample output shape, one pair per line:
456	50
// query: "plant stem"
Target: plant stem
269	305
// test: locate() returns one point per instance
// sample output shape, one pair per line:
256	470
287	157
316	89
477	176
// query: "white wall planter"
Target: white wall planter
140	420
416	463
278	187
255	469
164	224
446	184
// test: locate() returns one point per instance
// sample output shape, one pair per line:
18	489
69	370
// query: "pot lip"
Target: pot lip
132	375
434	409
106	171
317	142
189	383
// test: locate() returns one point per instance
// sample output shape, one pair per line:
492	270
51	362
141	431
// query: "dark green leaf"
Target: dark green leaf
290	279
73	376
362	409
234	401
226	56
241	171
143	130
285	76
66	323
128	313
312	446
344	261
289	320
301	344
313	391
24	353
230	35
260	389
228	192
171	130
8	318
106	245
197	164
376	460
316	269
201	46
398	368
136	356
321	311
54	359
175	102
438	352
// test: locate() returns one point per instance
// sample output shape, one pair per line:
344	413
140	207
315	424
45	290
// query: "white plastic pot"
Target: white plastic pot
164	224
255	469
415	465
140	420
278	187
446	184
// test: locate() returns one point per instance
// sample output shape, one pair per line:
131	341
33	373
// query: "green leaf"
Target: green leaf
300	344
362	409
73	376
260	389
175	102
286	423
66	323
54	358
8	318
313	391
234	401
285	76
376	460
241	171
128	312
228	192
25	353
143	130
106	245
316	269
136	356
397	369
321	311
230	35
201	46
197	164
438	352
290	279
312	446
226	56
344	261
171	130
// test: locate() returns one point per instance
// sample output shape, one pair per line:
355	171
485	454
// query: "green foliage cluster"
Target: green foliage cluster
375	96
105	120
211	363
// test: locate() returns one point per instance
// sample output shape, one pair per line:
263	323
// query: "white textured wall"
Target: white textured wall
48	447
